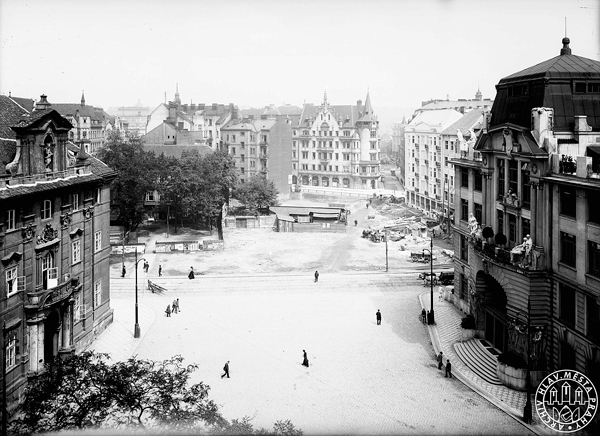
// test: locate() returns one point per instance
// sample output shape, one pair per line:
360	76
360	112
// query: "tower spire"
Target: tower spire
82	98
177	99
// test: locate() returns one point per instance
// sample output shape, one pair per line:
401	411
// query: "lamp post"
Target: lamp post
136	329
431	319
527	410
387	235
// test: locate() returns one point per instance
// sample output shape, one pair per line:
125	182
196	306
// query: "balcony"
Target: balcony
426	194
438	197
49	297
417	175
438	148
438	164
45	177
426	162
417	147
416	189
510	200
515	258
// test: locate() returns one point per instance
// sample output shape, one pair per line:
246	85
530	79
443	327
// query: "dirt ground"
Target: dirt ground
253	251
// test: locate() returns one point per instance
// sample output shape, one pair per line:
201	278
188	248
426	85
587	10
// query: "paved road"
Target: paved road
363	378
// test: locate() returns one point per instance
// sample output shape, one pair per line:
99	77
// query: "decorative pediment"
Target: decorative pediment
13	256
47	235
77	232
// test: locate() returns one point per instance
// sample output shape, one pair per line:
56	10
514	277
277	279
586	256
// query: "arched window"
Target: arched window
335	182
294	180
325	181
315	181
49	272
346	182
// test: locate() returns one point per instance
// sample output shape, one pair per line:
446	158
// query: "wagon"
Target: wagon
420	257
428	279
446	278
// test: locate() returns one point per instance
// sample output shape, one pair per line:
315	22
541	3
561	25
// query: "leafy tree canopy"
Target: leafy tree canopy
135	175
257	193
84	391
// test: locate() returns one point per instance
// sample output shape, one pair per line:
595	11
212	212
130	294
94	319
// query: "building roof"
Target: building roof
305	210
367	113
549	84
438	119
346	115
470	120
10	115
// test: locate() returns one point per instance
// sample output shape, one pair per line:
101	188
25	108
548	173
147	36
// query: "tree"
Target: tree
85	392
135	169
257	192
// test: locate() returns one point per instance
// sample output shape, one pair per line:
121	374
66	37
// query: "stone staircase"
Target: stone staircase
480	356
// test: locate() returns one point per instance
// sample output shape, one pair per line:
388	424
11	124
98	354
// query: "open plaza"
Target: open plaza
257	306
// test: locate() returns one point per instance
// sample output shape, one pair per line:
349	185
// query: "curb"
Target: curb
512	412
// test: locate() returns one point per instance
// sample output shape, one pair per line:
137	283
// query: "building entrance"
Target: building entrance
488	305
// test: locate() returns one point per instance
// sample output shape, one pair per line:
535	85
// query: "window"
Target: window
97	293
525	227
478	182
525	190
11	349
464	178
464	209
98	195
46	211
97	241
242	157
478	212
464	248
150	196
11	281
501	176
567	249
592	319
512	228
500	221
513	173
594	258
10	220
568	201
76	251
567	305
463	289
75	201
593	200
77	308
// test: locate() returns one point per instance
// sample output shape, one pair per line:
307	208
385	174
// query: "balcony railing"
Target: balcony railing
517	257
45	177
47	297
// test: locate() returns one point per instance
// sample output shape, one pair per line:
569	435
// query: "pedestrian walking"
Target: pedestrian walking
305	361
191	274
423	316
146	266
316	276
440	359
123	271
160	270
441	296
378	316
168	311
355	223
178	308
226	369
367	205
448	368
175	308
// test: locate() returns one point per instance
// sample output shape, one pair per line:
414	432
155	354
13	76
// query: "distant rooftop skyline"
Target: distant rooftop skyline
281	52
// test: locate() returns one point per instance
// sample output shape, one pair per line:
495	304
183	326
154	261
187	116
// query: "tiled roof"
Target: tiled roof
8	149
26	103
72	108
348	114
177	150
469	121
10	114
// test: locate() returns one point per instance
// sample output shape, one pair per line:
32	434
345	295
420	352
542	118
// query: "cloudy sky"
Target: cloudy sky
254	53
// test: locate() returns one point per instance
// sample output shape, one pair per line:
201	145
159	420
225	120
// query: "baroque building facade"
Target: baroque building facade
529	267
54	242
337	146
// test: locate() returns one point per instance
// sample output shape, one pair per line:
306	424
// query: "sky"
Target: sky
261	52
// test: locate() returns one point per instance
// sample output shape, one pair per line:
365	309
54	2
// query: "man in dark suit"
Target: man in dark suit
226	369
448	368
378	316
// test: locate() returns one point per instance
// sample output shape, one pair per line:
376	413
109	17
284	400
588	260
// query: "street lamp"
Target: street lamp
136	329
4	407
387	236
527	410
431	319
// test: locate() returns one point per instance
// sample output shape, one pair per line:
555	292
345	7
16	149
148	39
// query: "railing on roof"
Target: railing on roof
44	177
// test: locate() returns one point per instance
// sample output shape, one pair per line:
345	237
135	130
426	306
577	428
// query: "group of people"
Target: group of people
174	308
448	366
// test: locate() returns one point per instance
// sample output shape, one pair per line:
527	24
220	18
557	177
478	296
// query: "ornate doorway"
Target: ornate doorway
488	305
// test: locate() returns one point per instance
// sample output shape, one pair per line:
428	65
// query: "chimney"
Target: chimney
43	103
565	50
172	113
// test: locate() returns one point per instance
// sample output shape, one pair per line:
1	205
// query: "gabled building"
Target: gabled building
54	241
533	256
337	146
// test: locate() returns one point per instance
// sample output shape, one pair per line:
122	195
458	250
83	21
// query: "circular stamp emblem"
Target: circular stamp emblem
566	401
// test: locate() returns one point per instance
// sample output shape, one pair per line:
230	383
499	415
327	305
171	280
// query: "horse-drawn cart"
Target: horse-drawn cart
420	257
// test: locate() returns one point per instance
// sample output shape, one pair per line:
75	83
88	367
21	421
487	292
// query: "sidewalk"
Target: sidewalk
444	334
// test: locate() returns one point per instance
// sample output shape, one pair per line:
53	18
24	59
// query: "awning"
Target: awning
325	215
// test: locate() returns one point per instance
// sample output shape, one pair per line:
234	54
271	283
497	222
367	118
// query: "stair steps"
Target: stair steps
479	356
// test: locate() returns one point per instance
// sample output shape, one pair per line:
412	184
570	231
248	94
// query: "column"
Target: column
534	217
